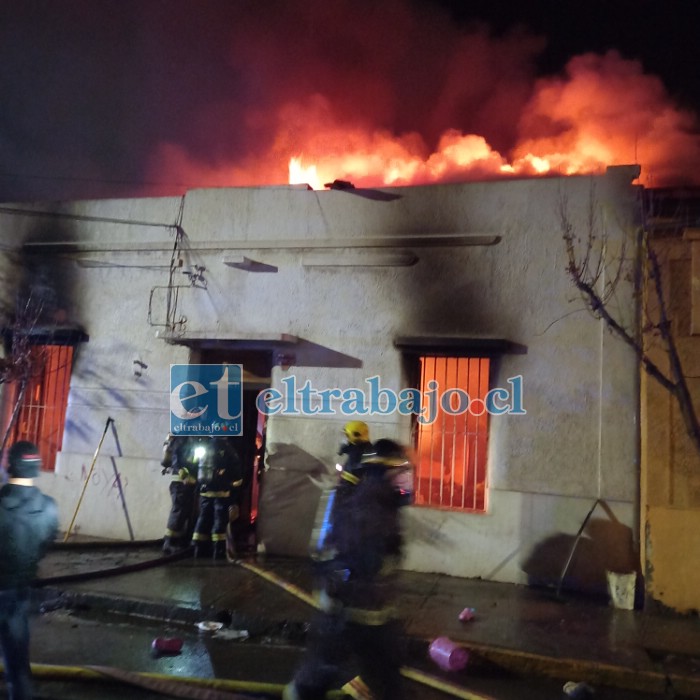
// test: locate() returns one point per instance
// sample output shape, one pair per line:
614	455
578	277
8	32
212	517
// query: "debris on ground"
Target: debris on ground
467	614
578	691
166	645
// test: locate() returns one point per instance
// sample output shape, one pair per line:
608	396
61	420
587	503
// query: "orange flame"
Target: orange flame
604	110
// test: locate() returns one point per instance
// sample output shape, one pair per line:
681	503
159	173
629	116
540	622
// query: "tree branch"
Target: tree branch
586	280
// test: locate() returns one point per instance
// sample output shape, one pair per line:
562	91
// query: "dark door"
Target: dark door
250	446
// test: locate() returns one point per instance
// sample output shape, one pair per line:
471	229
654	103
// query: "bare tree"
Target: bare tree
21	362
597	270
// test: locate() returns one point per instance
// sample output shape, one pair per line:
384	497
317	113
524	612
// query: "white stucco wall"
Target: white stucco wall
578	441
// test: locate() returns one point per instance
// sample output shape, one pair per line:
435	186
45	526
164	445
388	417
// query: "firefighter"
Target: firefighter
356	585
355	444
220	480
178	460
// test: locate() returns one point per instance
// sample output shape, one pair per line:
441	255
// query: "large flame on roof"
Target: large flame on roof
604	111
321	92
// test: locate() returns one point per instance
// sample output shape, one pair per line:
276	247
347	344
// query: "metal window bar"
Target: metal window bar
483	437
58	399
451	471
463	380
42	414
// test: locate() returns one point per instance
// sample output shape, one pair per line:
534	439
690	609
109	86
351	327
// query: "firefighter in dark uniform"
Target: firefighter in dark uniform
356	443
220	479
178	460
356	583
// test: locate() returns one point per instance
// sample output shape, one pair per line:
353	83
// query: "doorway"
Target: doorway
250	445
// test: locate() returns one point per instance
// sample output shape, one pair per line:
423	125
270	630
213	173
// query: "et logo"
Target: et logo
206	400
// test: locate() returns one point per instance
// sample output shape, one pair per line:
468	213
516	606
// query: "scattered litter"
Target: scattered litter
467	614
622	587
209	626
578	691
166	645
231	634
448	655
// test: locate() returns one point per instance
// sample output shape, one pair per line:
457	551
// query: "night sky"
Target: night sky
663	35
147	97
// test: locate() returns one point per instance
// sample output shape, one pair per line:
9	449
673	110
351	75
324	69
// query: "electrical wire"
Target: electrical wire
13	211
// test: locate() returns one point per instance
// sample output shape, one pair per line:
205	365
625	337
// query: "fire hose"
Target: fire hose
169	684
114	571
174	686
213	689
411	673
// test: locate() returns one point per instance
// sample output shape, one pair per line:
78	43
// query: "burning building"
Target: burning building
400	278
323	297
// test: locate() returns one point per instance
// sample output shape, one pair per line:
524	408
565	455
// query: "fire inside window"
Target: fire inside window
452	450
42	413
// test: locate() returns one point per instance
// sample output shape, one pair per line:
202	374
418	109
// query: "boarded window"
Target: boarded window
42	413
452	450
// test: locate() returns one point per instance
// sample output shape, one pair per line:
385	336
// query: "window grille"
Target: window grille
452	450
42	414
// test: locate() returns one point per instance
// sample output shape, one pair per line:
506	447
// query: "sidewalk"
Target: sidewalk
522	629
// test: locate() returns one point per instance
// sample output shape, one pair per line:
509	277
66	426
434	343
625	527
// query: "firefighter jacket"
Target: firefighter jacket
178	458
366	539
28	525
354	451
220	471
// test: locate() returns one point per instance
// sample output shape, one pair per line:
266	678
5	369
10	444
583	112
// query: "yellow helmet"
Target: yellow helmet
356	431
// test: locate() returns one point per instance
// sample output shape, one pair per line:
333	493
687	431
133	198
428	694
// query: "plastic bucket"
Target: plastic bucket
448	655
166	645
621	588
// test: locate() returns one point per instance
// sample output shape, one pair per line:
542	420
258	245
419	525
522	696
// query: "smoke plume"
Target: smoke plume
146	98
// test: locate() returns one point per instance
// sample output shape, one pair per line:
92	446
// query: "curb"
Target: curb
644	680
567	669
520	662
50	598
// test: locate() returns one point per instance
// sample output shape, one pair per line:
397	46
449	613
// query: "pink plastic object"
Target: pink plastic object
166	645
467	614
448	655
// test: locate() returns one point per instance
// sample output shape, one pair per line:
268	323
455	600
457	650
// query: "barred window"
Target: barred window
452	450
42	413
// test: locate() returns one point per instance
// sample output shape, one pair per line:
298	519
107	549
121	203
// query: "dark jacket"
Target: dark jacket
355	452
28	525
366	536
221	470
178	458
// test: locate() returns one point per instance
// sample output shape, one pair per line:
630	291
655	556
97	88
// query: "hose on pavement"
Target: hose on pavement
175	686
227	686
411	673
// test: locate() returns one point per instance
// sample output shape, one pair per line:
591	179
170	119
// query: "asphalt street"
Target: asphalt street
110	620
93	637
